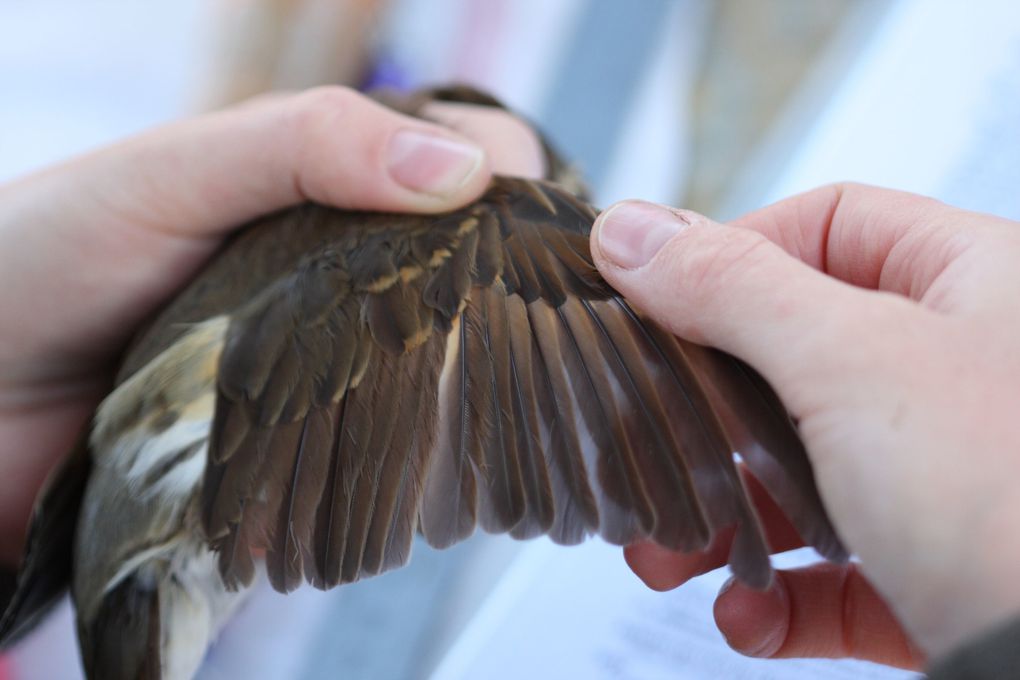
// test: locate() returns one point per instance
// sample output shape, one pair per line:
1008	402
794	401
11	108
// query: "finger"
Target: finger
663	569
822	611
124	225
876	238
846	230
734	289
512	146
330	145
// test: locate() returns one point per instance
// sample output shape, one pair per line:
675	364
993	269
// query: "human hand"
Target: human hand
889	325
90	248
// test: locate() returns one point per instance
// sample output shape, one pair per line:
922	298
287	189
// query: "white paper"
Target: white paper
581	613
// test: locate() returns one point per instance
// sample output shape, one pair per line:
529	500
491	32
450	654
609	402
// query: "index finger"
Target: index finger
875	238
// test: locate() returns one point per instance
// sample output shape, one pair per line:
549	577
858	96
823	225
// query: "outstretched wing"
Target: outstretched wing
439	374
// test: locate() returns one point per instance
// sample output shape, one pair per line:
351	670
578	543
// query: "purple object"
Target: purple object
387	73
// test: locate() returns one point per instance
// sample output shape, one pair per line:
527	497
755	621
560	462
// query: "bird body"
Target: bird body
145	578
334	382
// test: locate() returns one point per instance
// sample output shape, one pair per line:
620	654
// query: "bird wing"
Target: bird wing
473	369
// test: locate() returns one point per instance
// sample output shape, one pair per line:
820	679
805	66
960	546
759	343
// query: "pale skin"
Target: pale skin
886	322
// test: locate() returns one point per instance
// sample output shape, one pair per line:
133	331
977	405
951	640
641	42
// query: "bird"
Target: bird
334	382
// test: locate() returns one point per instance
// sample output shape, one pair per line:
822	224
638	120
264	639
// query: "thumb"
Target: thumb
731	288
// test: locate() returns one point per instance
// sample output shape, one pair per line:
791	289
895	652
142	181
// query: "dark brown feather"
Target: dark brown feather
326	548
576	510
539	507
291	548
450	485
706	448
449	284
392	317
765	437
343	329
402	471
624	508
667	483
45	571
350	463
502	501
384	385
123	641
489	253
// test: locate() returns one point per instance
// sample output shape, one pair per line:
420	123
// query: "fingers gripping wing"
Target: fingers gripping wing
474	369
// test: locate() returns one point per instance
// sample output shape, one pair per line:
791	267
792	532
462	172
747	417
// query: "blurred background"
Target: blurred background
717	106
638	93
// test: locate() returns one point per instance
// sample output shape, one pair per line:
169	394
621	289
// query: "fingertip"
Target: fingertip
629	234
819	611
344	149
659	568
753	622
511	145
658	257
663	569
437	165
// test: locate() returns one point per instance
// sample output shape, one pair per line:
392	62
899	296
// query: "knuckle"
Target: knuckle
315	109
846	187
513	145
311	124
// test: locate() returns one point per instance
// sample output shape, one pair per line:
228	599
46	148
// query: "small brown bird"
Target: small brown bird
333	382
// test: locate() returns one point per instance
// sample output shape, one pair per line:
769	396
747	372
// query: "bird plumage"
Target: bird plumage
335	381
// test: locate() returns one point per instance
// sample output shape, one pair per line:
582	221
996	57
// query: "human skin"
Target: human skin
889	325
89	248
